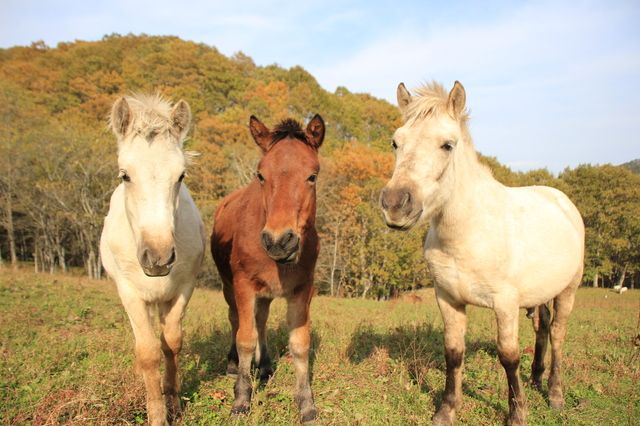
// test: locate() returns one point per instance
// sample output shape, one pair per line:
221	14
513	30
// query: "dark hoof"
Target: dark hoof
172	402
266	374
240	409
309	416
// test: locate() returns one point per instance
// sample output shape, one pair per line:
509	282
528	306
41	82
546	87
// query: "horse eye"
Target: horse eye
312	178
181	178
394	145
124	176
447	146
152	134
260	177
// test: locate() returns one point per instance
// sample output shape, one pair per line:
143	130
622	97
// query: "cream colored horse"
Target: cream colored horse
488	245
153	239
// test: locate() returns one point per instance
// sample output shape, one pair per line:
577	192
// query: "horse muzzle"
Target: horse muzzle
155	264
283	248
400	210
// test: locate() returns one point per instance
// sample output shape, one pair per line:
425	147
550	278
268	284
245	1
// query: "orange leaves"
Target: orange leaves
358	162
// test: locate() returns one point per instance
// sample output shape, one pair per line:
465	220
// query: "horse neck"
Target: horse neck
472	191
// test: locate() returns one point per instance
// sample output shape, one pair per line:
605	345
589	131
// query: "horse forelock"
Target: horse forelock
150	113
431	99
288	128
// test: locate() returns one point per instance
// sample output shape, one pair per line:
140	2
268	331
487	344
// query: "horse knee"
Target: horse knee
147	356
246	341
299	342
172	341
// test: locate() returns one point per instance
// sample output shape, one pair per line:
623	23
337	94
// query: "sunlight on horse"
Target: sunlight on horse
265	245
488	245
153	239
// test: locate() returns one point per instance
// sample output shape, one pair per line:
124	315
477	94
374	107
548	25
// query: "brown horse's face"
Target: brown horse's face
287	176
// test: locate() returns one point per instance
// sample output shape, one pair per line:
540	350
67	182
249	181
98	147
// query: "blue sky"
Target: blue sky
549	83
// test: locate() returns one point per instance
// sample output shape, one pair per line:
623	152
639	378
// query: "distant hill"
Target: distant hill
633	165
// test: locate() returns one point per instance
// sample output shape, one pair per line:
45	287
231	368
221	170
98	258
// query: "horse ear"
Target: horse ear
261	134
457	100
404	98
121	117
315	131
181	117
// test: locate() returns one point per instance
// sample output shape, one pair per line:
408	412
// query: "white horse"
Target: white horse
153	239
488	245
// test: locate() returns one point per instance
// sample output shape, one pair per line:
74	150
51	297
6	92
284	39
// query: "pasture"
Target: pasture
66	358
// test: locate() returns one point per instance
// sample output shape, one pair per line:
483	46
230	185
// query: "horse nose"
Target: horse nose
396	199
155	263
281	247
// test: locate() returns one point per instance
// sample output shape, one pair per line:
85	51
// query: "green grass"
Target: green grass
66	357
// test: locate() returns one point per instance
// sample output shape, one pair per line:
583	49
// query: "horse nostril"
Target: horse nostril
383	203
405	199
286	237
145	259
266	240
172	258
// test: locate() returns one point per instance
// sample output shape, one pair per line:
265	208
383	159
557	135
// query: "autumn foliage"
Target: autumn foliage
58	160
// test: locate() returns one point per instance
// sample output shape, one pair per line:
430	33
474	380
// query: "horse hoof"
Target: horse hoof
556	403
240	410
518	419
443	417
266	374
309	416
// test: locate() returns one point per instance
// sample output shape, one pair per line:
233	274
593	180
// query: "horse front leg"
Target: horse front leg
147	351
171	314
246	339
298	320
509	355
455	324
263	360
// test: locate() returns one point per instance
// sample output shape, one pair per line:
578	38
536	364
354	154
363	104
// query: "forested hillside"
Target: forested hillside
58	166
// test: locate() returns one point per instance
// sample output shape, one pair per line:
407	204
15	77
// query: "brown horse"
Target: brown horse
265	245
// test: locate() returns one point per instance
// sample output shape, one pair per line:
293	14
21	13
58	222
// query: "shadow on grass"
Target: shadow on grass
206	356
420	348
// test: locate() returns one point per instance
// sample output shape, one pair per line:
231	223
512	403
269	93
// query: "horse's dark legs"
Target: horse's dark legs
232	356
299	343
246	339
562	305
262	354
455	325
541	326
509	355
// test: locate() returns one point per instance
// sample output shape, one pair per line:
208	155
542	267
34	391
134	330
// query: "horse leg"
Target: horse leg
299	342
232	356
262	354
147	350
455	323
171	314
246	338
562	305
541	326
509	354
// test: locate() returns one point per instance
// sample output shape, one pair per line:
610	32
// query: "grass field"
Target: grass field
67	358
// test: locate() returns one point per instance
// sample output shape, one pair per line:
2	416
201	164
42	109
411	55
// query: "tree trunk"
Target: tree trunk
595	280
11	238
333	263
623	276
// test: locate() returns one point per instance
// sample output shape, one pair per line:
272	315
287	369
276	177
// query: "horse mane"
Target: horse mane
288	128
431	99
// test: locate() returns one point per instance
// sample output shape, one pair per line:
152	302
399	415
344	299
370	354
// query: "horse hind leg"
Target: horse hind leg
541	325
263	360
562	305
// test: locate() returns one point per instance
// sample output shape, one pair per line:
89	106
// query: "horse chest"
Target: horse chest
458	279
